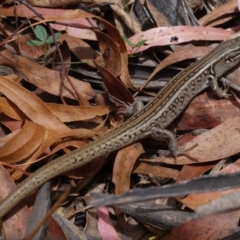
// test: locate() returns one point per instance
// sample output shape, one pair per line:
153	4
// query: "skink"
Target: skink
151	121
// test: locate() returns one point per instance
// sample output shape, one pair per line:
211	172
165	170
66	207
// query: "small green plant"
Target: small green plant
133	45
41	33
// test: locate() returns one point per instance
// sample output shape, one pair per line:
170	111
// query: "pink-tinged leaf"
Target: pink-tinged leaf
23	11
180	55
105	226
175	35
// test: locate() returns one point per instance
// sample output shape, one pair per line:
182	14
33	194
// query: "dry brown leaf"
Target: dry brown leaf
31	105
83	51
44	78
55	229
65	113
68	113
155	170
11	110
9	136
113	34
76	17
191	171
15	226
123	166
21	40
51	138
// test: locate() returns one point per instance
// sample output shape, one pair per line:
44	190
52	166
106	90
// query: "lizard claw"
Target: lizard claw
183	152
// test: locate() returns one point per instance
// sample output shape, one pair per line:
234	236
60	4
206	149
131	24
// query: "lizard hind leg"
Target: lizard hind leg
181	151
169	137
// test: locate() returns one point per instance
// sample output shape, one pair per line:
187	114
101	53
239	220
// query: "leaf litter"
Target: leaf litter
45	114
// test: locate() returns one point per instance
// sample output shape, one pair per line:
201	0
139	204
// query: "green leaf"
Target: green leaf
58	35
35	43
140	43
40	33
126	40
50	39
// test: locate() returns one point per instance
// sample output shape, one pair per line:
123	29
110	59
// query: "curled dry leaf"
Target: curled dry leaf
220	15
110	53
12	125
50	139
23	144
53	137
11	110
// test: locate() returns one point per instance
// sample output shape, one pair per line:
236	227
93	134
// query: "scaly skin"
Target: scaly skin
151	121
